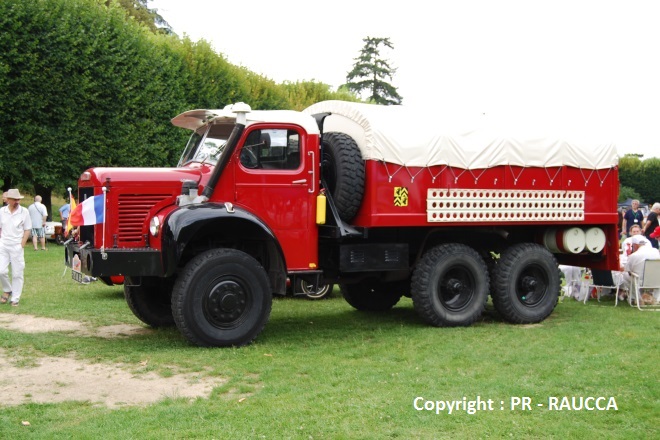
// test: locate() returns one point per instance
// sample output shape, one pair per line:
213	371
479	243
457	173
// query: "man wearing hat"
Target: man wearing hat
641	251
15	226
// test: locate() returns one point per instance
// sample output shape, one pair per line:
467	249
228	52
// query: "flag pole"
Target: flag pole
72	206
66	227
103	254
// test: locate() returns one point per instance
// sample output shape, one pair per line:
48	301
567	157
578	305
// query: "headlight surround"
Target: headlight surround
154	226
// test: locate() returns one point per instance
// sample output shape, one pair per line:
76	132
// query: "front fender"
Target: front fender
193	228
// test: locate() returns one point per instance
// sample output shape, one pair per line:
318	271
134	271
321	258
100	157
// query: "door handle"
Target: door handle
299	182
312	190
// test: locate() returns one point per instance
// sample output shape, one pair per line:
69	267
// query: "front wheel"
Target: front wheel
450	286
222	298
149	300
526	285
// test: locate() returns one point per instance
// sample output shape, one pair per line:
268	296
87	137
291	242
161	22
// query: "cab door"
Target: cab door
276	178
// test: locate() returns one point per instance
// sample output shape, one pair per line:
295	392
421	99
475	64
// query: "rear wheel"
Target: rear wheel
527	283
450	286
150	301
372	295
222	298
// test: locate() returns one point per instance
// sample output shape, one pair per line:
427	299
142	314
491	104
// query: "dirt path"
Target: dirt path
63	379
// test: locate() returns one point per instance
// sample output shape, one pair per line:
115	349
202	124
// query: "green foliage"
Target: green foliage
371	71
302	94
643	177
83	83
627	192
628	170
649	184
140	12
88	88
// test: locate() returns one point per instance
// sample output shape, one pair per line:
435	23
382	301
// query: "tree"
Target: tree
649	182
626	192
302	94
641	176
371	71
140	12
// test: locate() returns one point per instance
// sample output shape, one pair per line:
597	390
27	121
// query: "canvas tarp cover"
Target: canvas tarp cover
404	136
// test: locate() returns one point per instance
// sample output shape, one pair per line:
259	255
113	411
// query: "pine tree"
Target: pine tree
370	73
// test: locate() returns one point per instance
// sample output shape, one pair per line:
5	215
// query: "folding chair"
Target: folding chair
649	279
604	279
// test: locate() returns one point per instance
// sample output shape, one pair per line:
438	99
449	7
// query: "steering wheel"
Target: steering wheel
248	158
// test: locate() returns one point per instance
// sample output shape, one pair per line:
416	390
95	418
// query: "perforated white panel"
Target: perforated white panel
470	205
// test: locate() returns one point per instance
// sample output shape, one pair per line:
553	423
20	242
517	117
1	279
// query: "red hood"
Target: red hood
167	177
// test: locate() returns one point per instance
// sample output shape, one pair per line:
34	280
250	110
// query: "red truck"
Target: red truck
383	201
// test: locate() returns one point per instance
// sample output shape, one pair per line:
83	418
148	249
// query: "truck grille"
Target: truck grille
133	212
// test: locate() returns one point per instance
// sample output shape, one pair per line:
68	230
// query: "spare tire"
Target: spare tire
343	173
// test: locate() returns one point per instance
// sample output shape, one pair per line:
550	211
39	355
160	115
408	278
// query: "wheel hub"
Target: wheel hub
225	303
456	290
529	283
531	287
454	286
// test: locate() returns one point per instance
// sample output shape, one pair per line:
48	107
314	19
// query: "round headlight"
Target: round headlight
154	226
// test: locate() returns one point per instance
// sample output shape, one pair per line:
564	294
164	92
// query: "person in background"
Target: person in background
626	246
652	223
15	226
38	215
641	251
632	216
65	210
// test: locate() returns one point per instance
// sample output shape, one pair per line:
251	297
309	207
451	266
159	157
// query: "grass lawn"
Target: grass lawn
322	370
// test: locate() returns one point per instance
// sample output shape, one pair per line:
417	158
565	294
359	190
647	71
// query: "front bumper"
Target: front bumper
127	262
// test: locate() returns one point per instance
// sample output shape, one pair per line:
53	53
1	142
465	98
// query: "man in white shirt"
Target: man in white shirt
38	215
15	225
641	251
626	246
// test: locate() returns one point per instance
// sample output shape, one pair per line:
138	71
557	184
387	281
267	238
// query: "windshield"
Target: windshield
206	144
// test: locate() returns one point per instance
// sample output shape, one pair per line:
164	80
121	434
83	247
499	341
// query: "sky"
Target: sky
581	68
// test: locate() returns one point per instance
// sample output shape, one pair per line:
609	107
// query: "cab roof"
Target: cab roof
193	119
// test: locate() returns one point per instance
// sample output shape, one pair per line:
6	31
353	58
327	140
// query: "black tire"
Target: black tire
450	286
59	239
222	298
343	173
150	302
372	295
526	284
312	291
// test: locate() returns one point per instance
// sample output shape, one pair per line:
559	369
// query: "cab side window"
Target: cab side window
271	149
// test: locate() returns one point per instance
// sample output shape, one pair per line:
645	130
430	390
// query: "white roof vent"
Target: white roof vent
241	109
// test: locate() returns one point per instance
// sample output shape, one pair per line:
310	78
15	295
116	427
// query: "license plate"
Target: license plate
77	276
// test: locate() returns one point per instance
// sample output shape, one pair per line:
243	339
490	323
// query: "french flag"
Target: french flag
89	212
